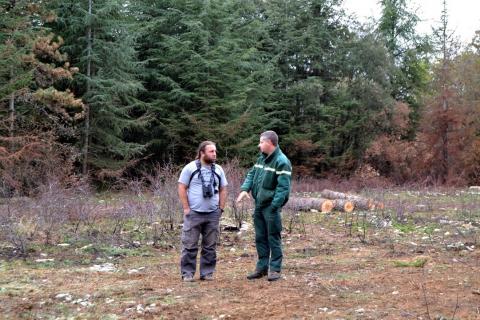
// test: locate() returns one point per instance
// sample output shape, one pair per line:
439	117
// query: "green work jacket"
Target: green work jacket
270	179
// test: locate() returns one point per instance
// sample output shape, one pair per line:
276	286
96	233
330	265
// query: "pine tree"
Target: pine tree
100	38
409	53
442	119
330	84
466	81
43	113
16	38
202	70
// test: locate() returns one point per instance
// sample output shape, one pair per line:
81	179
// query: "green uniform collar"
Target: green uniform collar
269	158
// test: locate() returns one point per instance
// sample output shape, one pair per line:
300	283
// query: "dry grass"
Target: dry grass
329	272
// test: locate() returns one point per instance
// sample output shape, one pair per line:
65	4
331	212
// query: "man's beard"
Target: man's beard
208	160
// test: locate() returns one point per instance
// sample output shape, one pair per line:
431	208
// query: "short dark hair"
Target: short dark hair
202	146
270	135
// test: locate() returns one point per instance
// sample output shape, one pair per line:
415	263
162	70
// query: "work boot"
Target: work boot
274	276
257	274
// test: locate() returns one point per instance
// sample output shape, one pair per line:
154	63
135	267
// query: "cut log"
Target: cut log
306	204
378	205
329	194
327	205
359	202
344	205
363	204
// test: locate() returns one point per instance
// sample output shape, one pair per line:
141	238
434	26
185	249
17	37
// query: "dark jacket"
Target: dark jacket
270	179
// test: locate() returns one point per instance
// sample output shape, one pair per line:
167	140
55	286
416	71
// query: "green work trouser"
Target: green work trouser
268	238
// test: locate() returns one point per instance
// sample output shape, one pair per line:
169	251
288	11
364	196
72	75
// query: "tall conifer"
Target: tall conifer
100	38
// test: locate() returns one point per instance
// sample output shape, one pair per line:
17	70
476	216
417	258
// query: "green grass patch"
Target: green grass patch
417	263
168	300
27	315
12	291
404	227
429	230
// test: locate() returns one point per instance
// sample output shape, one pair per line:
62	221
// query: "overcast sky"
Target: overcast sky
464	15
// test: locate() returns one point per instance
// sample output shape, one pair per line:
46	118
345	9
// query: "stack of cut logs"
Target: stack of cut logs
331	200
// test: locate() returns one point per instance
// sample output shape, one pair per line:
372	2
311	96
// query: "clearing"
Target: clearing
417	259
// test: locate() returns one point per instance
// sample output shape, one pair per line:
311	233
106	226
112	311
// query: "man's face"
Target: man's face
266	146
210	154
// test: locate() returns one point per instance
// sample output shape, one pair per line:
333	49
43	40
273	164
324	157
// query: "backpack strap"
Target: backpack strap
218	176
199	166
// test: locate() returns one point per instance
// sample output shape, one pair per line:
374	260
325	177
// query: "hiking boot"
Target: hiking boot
208	277
274	276
257	274
187	278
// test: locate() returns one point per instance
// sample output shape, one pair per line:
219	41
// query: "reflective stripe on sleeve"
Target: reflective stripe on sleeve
284	172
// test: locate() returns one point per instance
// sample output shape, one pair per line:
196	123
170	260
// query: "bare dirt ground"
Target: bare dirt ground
328	273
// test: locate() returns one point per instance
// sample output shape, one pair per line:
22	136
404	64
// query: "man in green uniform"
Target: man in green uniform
269	182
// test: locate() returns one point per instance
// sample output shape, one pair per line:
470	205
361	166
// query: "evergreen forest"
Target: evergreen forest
108	89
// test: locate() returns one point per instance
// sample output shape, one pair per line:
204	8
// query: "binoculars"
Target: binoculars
208	190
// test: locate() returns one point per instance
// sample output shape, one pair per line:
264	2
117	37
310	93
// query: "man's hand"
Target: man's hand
242	195
182	193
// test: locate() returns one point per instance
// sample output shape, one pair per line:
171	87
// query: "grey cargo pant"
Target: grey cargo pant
194	225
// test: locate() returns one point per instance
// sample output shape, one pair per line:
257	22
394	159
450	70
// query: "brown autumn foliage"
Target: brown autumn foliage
391	155
61	103
33	150
50	67
438	155
471	161
446	149
306	152
28	161
466	79
451	125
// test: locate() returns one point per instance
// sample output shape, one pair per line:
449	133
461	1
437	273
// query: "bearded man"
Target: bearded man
202	192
